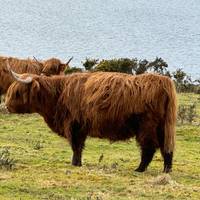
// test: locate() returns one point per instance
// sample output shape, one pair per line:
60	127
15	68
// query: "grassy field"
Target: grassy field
42	167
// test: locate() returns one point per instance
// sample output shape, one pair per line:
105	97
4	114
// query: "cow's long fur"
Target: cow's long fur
51	66
104	105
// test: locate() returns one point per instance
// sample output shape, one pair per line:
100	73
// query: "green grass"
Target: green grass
43	171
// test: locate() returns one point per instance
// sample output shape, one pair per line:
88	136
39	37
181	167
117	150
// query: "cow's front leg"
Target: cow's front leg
77	143
76	158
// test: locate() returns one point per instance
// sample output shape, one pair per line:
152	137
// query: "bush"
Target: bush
159	66
187	113
90	63
191	113
129	66
124	65
5	160
72	70
141	67
183	82
182	113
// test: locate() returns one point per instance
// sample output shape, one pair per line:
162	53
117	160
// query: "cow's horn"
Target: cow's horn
36	59
17	76
69	60
37	64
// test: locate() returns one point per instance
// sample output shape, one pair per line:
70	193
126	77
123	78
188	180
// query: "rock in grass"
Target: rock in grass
163	180
3	109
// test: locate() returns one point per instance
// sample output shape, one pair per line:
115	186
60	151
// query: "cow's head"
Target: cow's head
54	66
22	92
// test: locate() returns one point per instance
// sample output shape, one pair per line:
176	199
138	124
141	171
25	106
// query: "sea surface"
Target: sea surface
103	29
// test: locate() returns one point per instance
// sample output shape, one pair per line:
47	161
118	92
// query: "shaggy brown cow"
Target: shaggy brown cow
105	105
51	66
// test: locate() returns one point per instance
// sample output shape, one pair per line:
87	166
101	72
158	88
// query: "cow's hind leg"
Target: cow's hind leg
167	156
77	143
167	162
147	154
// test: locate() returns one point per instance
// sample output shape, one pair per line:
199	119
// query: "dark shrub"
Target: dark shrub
90	63
124	65
72	70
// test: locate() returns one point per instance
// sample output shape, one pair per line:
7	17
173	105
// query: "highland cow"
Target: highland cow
49	67
107	105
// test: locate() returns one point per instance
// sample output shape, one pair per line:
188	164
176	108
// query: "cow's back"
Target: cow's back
17	65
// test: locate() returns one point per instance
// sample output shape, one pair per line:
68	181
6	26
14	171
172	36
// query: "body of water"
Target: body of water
103	29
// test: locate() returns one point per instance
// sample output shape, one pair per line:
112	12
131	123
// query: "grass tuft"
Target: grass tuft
163	180
6	161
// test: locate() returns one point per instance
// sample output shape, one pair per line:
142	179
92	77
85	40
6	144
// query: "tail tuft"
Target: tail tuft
170	117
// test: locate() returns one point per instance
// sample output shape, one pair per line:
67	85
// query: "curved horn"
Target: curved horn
8	65
17	76
36	60
69	60
37	64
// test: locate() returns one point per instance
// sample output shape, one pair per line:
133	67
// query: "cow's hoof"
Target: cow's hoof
139	169
76	163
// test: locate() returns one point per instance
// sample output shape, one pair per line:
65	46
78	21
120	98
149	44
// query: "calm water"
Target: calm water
103	29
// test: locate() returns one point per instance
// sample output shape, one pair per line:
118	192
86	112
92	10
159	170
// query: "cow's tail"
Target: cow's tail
170	117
